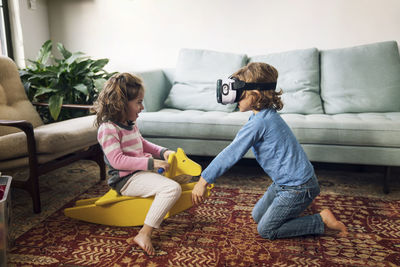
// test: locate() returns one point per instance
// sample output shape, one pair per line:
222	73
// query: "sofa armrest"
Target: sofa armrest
157	86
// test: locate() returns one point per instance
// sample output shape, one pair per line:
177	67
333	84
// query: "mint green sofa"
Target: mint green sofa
343	105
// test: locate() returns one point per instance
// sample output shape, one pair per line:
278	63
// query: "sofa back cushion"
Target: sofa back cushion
298	78
196	75
363	78
14	103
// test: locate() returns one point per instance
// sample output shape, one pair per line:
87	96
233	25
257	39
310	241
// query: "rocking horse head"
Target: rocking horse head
180	164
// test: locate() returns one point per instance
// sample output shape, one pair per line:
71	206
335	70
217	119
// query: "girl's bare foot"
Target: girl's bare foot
332	223
144	241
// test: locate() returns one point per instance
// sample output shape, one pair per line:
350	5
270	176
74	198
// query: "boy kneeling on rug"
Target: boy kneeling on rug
278	152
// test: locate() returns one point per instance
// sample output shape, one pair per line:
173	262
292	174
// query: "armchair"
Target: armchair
25	142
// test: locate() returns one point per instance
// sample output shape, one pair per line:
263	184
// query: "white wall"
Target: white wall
35	26
146	34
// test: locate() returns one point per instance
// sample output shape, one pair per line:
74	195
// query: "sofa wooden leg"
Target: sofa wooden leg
386	179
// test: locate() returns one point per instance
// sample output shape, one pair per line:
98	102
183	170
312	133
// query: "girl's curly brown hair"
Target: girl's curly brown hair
112	103
258	72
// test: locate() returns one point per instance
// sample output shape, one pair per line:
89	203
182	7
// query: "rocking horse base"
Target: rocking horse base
117	210
125	211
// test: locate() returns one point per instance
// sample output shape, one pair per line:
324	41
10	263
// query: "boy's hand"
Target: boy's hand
199	191
161	164
166	154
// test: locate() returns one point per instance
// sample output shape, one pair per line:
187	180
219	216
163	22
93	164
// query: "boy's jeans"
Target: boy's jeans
277	212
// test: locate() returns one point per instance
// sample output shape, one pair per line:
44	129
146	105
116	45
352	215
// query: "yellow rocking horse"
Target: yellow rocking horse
114	209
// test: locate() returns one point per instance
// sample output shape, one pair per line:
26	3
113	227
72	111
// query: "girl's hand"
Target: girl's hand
161	164
166	154
199	191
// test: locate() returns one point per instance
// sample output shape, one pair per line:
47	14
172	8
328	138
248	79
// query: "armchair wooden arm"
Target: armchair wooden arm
27	128
32	186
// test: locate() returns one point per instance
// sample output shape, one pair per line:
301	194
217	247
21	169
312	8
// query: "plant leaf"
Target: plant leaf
55	103
41	90
74	57
83	67
41	75
27	85
99	64
44	52
99	84
23	72
82	88
66	54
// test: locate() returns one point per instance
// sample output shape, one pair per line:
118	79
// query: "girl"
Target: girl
130	158
280	155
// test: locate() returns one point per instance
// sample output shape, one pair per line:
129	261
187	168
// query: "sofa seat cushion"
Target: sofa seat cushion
191	124
55	138
364	129
353	129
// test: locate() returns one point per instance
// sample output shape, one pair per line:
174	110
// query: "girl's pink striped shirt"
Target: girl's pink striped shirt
125	148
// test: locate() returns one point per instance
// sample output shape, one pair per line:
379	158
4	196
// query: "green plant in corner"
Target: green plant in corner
72	79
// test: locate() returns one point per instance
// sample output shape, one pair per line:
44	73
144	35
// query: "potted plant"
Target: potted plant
72	79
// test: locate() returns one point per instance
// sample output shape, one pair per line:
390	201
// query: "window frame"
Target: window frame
7	28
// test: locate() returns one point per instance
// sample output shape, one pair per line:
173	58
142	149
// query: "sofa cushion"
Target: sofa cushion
352	129
363	78
196	75
55	138
366	129
298	78
14	104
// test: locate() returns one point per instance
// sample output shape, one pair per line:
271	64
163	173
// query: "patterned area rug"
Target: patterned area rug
219	232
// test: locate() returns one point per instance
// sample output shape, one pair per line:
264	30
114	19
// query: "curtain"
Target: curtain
16	33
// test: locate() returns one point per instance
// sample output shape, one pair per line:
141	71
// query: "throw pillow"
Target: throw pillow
196	76
298	78
363	78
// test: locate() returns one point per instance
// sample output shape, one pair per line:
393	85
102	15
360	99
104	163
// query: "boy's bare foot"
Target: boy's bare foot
332	223
144	241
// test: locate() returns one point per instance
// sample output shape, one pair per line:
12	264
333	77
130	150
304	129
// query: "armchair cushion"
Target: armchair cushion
57	138
14	104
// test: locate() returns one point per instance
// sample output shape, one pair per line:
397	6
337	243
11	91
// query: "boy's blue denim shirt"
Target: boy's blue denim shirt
275	147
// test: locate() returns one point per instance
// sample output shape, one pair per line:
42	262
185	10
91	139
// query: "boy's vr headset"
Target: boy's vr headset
230	90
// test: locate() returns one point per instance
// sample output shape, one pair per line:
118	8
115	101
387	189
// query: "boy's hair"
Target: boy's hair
258	72
112	103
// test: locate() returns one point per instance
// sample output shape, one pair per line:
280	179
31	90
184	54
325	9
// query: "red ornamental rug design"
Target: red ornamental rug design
219	232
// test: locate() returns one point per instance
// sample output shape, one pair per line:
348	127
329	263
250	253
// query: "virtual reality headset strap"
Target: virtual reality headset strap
241	85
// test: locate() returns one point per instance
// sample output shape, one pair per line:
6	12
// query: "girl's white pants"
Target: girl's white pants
146	184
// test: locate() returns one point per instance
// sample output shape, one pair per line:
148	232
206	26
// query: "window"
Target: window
5	43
